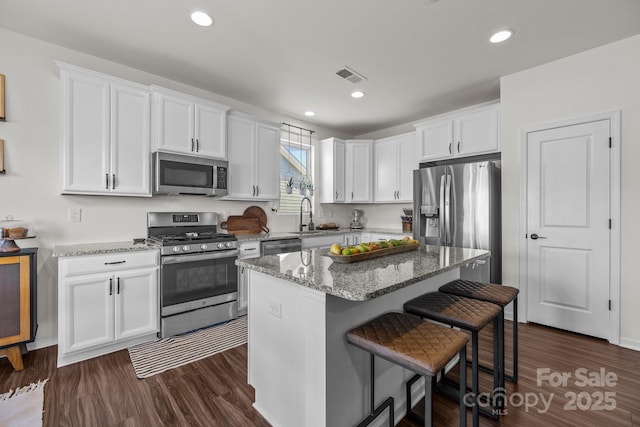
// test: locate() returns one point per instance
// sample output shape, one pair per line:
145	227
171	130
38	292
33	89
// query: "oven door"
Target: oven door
189	282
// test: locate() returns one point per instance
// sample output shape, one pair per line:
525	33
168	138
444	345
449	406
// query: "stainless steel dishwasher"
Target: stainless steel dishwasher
280	246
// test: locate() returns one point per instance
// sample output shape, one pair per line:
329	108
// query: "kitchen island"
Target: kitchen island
301	304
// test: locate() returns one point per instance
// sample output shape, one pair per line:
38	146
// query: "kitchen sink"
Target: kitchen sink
305	232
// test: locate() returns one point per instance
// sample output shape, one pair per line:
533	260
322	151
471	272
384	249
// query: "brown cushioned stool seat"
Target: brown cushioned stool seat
471	315
407	341
497	294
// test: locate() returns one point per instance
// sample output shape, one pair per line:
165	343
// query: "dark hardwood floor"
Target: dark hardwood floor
213	392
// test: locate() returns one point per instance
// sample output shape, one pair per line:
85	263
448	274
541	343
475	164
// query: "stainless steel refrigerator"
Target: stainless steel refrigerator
458	204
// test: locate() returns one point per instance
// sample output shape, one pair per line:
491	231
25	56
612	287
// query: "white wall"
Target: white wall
599	80
30	189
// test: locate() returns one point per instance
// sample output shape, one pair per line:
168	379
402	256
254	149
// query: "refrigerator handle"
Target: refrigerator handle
443	217
447	209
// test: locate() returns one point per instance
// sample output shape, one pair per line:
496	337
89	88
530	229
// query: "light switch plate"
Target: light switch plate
75	214
274	308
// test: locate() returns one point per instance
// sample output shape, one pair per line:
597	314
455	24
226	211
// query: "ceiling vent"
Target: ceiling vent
350	75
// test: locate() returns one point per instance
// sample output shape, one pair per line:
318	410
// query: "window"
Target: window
296	159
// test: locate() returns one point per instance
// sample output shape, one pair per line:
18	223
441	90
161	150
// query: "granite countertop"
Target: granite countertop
101	248
316	233
365	280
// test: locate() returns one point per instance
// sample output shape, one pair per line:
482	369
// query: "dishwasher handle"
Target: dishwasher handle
274	247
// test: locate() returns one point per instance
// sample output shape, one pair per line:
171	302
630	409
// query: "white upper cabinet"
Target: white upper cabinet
188	125
465	134
332	158
395	158
254	151
105	134
358	175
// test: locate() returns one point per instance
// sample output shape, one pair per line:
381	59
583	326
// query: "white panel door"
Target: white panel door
241	157
85	133
130	140
174	121
407	162
358	172
137	303
210	132
339	153
88	312
267	162
385	170
436	140
477	133
568	227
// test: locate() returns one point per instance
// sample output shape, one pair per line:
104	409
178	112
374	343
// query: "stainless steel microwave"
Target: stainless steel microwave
184	174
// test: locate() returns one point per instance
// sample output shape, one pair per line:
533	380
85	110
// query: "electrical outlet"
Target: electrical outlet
75	214
274	308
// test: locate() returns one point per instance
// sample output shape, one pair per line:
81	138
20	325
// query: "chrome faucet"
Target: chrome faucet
310	225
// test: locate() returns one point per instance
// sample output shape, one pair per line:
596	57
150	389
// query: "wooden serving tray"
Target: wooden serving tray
363	256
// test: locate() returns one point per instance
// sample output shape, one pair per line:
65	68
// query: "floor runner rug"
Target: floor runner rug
151	358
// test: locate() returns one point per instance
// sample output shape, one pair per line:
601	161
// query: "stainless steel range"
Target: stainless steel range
198	274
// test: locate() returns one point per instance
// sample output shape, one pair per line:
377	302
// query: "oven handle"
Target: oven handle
178	259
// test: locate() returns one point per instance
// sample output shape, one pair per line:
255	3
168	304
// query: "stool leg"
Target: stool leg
475	377
387	403
515	340
463	386
498	360
428	403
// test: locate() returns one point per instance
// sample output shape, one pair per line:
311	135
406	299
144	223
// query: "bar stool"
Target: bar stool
471	315
422	347
501	295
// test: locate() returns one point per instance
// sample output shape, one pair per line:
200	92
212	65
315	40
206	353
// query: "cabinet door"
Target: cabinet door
407	163
85	133
435	140
267	162
210	131
130	140
339	154
136	303
15	296
358	171
243	289
87	315
241	134
174	119
385	170
477	133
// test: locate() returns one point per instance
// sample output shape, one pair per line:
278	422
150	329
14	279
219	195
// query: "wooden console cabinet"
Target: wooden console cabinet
18	314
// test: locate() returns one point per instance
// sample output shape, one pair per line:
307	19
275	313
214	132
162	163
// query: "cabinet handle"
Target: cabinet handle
458	147
113	181
253	194
115	262
336	195
106	180
118	287
249	249
352	195
110	286
192	144
257	190
450	149
197	145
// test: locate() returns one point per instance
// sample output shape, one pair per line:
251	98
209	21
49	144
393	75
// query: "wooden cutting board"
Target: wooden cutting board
238	224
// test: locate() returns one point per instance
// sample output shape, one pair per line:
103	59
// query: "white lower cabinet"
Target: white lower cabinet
106	303
247	250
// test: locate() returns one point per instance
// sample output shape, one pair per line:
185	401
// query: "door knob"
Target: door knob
534	236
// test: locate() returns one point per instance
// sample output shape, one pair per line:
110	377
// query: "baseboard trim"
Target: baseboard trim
45	342
630	343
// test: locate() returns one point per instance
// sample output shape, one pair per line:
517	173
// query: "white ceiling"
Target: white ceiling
420	57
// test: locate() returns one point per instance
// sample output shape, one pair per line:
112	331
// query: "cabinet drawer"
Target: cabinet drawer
73	266
249	250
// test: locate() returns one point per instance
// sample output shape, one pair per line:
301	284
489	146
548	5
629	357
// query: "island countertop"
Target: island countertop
364	280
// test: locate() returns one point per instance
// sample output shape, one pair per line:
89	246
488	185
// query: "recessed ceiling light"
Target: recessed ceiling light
309	113
201	19
501	36
357	94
